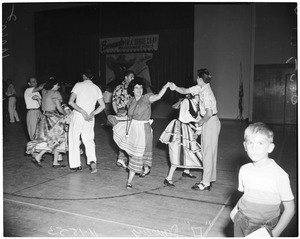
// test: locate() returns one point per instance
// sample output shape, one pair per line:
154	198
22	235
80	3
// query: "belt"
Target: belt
33	109
212	115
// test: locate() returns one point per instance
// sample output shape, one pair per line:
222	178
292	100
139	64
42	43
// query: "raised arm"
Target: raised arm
40	87
180	90
158	96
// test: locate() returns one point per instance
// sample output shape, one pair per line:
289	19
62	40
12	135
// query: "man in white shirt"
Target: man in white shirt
33	102
83	99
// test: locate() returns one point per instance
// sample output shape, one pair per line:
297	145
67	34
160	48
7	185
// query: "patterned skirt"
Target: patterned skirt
51	134
135	137
184	150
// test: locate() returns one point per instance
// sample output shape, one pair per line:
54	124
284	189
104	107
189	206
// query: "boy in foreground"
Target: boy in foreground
265	185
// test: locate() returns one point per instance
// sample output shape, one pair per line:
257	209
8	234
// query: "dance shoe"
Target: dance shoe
144	174
77	169
93	167
169	183
128	186
188	175
36	163
200	187
59	166
121	164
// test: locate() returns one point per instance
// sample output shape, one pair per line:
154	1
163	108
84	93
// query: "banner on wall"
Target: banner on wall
116	64
129	44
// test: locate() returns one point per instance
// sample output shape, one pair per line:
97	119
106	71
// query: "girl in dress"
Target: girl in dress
51	133
180	135
134	134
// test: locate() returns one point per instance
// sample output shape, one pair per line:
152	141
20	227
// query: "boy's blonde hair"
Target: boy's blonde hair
259	128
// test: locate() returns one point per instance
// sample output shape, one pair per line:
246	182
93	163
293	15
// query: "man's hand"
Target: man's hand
85	116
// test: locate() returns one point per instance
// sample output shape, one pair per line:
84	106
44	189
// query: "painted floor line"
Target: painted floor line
81	215
216	217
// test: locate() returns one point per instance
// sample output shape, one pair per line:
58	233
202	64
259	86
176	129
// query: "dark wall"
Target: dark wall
67	40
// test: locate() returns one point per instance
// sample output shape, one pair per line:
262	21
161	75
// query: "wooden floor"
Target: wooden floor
46	202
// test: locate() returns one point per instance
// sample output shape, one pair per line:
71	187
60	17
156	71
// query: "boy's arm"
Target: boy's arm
286	217
233	212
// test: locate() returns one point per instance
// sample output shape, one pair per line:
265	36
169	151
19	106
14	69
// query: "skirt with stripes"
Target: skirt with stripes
184	150
135	137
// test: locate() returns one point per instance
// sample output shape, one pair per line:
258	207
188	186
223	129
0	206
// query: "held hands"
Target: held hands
172	86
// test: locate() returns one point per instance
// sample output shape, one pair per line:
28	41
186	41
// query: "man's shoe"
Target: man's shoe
77	169
121	164
201	187
59	166
93	167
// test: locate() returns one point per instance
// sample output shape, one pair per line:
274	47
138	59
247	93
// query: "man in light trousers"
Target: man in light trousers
83	99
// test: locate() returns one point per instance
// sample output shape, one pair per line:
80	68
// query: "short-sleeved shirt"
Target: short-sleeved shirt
49	99
141	109
87	95
264	189
30	103
11	90
121	96
207	98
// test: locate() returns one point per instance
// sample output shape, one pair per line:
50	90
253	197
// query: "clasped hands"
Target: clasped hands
88	117
170	85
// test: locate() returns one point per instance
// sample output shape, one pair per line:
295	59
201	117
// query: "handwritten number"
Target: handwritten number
75	231
12	15
50	231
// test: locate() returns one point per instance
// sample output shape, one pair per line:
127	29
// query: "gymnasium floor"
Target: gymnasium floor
47	202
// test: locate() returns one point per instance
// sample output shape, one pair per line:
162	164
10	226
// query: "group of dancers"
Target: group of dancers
56	128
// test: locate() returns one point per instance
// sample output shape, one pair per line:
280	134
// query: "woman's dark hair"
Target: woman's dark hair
202	72
128	72
133	83
50	83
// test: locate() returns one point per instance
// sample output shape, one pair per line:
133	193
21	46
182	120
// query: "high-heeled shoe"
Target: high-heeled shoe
201	187
188	175
169	183
129	186
144	174
36	163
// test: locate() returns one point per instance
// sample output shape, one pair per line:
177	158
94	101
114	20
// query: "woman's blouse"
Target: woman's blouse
49	98
184	114
141	109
